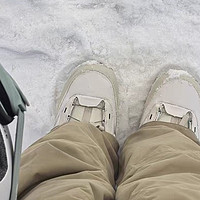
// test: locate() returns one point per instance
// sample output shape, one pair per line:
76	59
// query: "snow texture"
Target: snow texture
41	41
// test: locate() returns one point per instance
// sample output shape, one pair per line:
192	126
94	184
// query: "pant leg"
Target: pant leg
161	161
73	161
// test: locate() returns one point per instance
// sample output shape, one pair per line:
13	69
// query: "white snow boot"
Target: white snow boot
90	95
175	98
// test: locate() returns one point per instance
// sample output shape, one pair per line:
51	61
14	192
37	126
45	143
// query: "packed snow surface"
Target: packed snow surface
41	41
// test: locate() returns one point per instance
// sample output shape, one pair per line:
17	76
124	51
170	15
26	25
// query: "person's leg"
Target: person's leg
160	161
74	161
77	160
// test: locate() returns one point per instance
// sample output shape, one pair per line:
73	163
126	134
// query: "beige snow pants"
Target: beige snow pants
76	161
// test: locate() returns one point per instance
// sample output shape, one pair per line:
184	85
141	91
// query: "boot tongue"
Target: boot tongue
88	111
174	114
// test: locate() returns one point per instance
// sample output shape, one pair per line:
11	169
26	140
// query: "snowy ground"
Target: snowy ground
42	40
